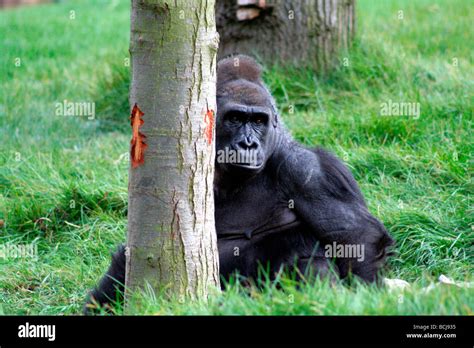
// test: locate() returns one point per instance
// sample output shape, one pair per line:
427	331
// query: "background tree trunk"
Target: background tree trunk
171	230
306	33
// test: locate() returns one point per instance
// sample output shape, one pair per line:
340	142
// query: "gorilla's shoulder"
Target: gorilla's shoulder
338	177
308	169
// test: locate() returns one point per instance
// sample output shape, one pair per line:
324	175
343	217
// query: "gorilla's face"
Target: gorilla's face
245	127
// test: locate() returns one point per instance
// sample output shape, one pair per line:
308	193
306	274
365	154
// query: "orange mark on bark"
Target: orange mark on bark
138	147
209	120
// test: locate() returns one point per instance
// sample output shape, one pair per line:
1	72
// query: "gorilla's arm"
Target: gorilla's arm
111	286
327	198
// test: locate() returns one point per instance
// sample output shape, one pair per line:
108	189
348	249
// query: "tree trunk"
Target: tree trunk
171	231
305	33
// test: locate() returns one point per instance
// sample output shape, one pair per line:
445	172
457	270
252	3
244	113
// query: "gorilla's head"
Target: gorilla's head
247	121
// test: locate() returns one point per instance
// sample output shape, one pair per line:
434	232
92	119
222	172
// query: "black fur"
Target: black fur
111	286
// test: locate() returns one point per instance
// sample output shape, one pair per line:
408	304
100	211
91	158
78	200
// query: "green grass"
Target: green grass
63	180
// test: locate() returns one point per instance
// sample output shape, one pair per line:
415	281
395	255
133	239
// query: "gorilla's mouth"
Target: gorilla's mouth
248	166
248	160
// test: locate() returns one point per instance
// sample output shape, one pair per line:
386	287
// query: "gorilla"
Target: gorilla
277	204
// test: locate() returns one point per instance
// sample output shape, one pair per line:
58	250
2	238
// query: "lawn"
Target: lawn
63	180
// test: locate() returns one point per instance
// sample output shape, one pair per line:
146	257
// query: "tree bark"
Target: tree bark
171	231
304	33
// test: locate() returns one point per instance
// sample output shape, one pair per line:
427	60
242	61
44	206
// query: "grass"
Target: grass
63	180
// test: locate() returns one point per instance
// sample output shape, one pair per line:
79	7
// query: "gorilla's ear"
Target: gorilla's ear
276	116
238	67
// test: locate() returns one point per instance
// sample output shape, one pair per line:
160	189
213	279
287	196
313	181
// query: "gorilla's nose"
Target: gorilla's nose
247	144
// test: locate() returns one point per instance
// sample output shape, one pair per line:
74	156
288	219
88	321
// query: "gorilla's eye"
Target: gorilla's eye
260	119
235	117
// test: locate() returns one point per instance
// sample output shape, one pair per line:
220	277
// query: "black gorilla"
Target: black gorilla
277	203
